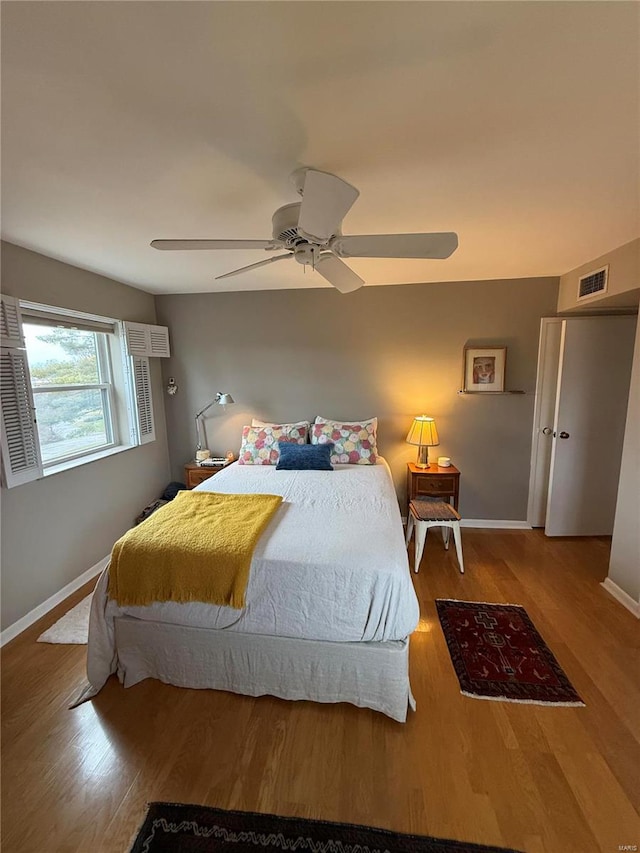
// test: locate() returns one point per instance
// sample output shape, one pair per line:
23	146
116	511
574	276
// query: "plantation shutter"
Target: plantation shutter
159	341
143	339
144	400
10	324
19	439
137	338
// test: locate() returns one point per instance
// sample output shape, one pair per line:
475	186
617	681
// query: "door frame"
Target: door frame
591	405
546	373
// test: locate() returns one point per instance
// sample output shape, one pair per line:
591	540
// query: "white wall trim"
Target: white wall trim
42	609
620	595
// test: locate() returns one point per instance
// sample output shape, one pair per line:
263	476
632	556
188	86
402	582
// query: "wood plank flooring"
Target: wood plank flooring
539	779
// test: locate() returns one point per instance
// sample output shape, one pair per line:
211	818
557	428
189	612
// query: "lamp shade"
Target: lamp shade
225	399
423	432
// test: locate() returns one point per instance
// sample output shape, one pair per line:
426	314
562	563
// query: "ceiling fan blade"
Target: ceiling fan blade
439	245
326	199
255	266
179	245
338	274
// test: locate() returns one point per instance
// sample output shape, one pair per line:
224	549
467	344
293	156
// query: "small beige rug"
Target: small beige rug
72	628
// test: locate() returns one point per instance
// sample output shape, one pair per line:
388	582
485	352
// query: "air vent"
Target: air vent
593	283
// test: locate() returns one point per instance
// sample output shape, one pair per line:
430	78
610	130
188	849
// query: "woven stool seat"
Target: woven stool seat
425	509
433	512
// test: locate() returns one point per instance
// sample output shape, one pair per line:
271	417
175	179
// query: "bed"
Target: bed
329	605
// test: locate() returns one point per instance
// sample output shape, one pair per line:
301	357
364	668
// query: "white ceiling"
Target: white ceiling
513	123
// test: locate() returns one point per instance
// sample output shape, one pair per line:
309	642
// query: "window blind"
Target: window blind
39	317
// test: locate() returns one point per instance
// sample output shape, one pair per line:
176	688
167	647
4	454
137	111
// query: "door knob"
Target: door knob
547	431
564	435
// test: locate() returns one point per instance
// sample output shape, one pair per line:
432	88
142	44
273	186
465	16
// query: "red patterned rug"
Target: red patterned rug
498	654
180	828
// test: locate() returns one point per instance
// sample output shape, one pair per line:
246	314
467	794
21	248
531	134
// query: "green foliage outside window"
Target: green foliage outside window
69	414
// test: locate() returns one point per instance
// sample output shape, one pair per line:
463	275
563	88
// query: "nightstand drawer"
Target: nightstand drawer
430	485
433	481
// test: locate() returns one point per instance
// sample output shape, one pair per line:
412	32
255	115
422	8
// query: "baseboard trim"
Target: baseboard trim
623	597
506	524
42	609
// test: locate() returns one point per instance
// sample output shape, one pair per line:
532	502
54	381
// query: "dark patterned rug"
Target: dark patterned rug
170	827
497	653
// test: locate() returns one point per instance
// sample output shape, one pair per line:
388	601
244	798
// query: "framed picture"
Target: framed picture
484	369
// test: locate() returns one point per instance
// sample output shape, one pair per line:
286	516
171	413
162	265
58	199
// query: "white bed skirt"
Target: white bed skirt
369	675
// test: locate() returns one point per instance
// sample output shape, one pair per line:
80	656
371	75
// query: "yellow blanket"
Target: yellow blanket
196	548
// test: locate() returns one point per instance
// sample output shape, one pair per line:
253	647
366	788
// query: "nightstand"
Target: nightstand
433	481
194	474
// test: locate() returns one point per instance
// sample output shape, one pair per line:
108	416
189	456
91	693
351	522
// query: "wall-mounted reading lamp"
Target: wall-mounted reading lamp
222	399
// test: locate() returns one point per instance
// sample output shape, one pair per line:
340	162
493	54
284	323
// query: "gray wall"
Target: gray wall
55	528
624	567
393	352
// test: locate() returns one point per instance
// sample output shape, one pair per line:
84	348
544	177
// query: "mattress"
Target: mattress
332	564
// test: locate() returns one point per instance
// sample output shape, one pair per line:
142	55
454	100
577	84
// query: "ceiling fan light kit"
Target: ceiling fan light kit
310	231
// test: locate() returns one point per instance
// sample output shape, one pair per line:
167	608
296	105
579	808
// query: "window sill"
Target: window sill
85	460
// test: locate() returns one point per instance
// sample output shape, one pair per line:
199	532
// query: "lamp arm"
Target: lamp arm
208	406
220	398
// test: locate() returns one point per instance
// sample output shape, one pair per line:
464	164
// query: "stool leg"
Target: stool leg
446	535
409	529
420	537
458	541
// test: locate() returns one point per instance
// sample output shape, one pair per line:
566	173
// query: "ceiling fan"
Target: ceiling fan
310	231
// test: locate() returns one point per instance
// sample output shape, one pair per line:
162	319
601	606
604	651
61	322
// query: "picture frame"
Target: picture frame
484	370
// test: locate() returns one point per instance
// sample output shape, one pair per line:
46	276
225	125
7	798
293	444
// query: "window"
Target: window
72	390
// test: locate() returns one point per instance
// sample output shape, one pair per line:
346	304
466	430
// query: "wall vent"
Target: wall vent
593	283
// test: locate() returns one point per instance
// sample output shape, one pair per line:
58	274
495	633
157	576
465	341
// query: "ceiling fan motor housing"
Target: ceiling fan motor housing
285	231
285	224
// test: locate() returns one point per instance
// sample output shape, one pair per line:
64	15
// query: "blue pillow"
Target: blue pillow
304	457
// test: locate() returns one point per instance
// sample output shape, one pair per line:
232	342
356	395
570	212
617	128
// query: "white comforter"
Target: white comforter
332	564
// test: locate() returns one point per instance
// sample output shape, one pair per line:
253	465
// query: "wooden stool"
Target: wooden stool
432	512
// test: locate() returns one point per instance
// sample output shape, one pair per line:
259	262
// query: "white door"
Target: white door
593	389
543	419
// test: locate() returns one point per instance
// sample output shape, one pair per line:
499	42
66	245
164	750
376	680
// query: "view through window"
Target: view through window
71	381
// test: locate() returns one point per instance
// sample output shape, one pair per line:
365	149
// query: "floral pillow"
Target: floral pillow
260	444
354	443
256	422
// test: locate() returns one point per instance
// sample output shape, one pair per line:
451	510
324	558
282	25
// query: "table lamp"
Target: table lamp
424	434
222	399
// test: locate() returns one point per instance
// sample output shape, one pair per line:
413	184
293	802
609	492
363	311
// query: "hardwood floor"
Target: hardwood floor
535	778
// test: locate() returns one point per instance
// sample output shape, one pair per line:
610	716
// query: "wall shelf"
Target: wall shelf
493	393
